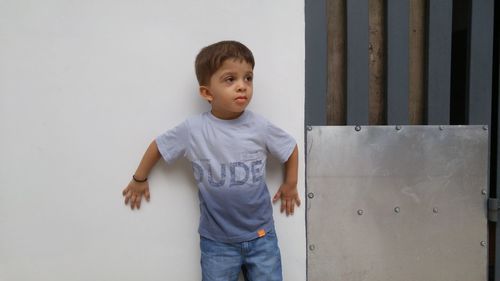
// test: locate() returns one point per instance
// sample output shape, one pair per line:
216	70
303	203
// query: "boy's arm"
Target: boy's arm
138	186
288	191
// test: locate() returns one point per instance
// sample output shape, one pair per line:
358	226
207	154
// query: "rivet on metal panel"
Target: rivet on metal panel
441	128
397	210
483	243
435	210
309	128
310	195
483	192
360	212
398	128
357	128
312	247
485	128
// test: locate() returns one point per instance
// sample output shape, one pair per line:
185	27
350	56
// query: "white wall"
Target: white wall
84	87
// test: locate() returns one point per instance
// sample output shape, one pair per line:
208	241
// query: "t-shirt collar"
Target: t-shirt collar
238	120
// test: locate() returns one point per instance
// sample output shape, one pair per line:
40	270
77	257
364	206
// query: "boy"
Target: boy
227	147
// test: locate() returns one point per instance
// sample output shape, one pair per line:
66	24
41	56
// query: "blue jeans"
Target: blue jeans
259	259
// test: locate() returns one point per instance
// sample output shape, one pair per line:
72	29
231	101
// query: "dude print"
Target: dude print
231	174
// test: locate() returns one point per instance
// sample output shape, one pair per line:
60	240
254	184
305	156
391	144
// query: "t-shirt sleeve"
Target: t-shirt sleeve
173	143
279	143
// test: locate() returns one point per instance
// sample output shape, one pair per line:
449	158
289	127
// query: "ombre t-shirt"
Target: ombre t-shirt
229	165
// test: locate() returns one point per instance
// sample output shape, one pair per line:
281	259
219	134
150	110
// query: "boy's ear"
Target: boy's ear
206	94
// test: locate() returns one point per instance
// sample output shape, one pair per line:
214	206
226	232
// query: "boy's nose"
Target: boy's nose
241	86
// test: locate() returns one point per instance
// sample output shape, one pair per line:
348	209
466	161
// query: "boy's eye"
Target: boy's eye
249	78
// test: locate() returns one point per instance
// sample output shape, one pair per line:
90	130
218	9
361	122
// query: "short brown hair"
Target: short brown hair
210	58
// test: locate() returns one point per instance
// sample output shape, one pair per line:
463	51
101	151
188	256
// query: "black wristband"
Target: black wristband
133	177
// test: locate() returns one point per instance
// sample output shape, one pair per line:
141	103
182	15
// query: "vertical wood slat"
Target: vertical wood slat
480	62
440	21
316	62
336	89
417	58
397	61
357	62
376	51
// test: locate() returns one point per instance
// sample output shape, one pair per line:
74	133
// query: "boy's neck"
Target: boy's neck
230	116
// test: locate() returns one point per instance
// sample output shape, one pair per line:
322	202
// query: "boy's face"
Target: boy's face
230	89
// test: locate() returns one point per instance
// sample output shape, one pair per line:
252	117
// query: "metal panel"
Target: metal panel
357	62
392	204
397	61
439	61
316	62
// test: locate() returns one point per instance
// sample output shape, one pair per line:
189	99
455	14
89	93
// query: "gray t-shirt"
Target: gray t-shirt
229	165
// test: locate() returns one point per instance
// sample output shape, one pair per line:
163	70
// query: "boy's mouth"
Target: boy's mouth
241	98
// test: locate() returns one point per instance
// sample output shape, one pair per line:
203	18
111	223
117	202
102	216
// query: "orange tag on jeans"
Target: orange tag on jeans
261	232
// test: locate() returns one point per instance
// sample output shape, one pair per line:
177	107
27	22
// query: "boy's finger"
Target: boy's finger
127	197
147	194
138	202
291	205
283	205
134	201
277	196
298	201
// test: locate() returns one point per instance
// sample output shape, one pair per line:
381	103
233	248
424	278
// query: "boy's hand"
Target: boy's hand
134	193
289	197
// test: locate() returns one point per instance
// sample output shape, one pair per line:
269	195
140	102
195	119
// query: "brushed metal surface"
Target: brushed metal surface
392	204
